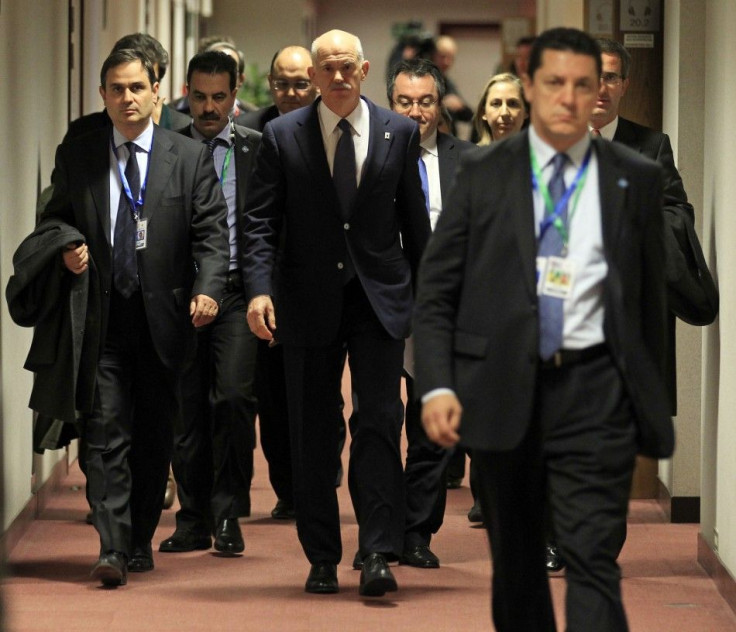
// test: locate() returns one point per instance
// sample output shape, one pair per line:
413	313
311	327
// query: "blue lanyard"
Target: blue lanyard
553	216
134	204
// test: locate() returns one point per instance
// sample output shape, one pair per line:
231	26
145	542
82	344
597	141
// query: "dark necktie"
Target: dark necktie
125	264
550	245
212	143
343	169
425	180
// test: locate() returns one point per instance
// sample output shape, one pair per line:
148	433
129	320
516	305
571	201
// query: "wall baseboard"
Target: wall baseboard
679	509
35	505
712	564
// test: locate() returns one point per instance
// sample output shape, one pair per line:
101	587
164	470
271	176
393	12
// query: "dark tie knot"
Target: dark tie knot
345	126
559	162
213	142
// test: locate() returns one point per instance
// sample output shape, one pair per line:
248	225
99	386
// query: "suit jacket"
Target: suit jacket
187	220
476	327
257	120
293	199
683	251
449	150
247	142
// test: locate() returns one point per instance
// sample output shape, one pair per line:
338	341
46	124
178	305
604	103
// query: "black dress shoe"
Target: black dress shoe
322	579
141	560
420	556
228	538
376	578
170	495
185	540
358	561
111	569
475	514
454	482
284	510
555	561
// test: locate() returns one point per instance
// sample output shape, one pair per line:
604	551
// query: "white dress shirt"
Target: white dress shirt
431	158
118	160
359	120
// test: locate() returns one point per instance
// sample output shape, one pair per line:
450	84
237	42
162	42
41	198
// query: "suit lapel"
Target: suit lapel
98	176
625	134
523	206
308	137
160	165
614	185
244	156
447	155
380	140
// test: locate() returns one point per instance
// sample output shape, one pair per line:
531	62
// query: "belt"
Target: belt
234	281
565	357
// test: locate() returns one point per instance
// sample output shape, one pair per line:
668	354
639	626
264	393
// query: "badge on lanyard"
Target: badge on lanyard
555	277
141	236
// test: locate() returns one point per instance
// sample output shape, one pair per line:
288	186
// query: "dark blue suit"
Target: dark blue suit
300	243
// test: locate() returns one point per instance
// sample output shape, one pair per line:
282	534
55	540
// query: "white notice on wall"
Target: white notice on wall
638	40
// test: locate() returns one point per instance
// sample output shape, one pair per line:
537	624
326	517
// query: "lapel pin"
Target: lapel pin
244	149
387	136
623	183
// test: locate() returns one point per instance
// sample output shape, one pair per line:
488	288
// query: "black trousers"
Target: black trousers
425	477
579	456
215	436
128	436
375	475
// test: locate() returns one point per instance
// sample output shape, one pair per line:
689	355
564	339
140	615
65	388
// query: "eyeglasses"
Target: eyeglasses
282	85
425	103
611	78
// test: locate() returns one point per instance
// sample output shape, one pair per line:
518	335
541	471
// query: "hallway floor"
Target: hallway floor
48	588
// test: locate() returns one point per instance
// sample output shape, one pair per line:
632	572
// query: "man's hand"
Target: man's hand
203	310
158	105
76	257
441	419
262	317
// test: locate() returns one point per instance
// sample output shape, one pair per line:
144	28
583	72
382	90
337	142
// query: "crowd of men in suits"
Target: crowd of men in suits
227	267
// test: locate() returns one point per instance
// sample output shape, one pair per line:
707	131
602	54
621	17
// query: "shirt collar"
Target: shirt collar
143	141
545	152
430	145
223	135
609	131
355	118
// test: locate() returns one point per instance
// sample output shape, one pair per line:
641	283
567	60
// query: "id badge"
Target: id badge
558	278
141	235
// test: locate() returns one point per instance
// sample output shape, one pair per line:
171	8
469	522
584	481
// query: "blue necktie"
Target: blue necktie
343	169
550	245
124	262
425	180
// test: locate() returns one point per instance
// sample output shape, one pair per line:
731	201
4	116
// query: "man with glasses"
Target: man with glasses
291	87
415	89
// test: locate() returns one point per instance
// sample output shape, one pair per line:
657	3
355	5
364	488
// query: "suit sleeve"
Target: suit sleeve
653	296
209	232
439	288
264	209
415	227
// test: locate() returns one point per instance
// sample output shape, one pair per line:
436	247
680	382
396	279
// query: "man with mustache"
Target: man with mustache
213	444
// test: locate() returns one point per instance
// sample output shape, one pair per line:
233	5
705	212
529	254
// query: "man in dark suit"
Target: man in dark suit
150	209
214	442
291	88
337	184
416	89
539	339
163	115
678	212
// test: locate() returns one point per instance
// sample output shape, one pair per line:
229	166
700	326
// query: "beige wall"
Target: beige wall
718	111
32	113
